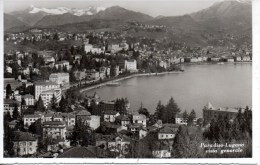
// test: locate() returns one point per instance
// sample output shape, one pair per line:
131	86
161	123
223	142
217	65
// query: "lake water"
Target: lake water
226	85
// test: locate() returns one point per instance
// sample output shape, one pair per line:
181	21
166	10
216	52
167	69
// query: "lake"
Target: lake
223	85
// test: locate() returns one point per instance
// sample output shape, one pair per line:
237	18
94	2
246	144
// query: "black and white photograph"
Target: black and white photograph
129	79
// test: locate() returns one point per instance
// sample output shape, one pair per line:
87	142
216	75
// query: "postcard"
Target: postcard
106	81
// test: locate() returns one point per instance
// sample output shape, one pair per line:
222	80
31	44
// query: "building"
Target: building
29	99
25	143
54	129
119	144
80	75
238	59
12	123
211	113
124	120
131	65
48	95
163	64
215	59
106	106
49	60
143	133
62	64
30	119
83	115
167	133
94	122
85	152
44	86
9	106
246	58
93	74
139	118
180	120
63	79
13	83
163	152
110	116
93	49
135	127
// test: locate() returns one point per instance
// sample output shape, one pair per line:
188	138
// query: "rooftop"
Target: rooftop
32	116
167	129
27	96
44	83
110	112
24	136
83	113
83	152
221	109
10	101
54	123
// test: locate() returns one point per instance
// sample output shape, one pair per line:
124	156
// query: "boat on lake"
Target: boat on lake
113	84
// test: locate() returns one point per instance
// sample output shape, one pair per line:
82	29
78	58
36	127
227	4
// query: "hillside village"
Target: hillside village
47	116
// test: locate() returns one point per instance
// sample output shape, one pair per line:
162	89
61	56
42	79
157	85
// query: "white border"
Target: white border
256	110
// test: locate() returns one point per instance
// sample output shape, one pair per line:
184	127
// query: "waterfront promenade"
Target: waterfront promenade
124	78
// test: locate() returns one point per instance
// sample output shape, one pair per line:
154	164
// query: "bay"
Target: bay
226	85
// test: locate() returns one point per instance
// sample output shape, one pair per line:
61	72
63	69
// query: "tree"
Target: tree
191	117
36	127
8	139
171	110
7	117
63	105
53	103
160	110
185	115
16	114
144	111
23	102
82	134
8	90
120	106
187	143
39	106
56	37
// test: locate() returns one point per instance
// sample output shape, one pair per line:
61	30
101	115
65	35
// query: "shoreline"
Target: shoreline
125	78
94	86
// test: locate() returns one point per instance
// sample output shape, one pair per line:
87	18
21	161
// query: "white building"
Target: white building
29	99
140	118
54	129
48	95
10	104
44	86
94	49
131	65
62	64
167	133
63	79
110	116
25	143
30	119
163	64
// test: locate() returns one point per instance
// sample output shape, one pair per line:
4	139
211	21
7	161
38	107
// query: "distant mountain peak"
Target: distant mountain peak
63	10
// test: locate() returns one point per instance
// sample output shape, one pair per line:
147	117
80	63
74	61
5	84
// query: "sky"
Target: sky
151	7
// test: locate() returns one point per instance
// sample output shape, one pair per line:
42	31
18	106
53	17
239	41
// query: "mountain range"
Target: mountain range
228	15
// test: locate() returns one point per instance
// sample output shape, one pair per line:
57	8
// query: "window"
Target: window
30	143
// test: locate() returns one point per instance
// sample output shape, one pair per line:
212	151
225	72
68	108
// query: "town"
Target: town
47	114
48	117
